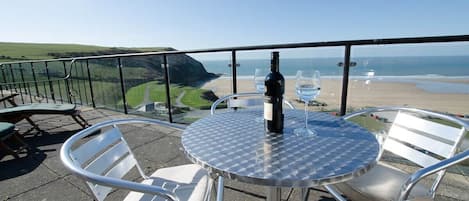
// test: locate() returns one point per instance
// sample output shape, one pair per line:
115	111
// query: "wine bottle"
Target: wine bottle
273	97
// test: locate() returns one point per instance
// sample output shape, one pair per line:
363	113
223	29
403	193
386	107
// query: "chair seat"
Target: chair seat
6	129
189	182
383	182
40	108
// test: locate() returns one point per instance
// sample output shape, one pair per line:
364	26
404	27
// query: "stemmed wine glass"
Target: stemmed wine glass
259	78
308	86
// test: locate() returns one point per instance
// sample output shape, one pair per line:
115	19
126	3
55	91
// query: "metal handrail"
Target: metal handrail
345	43
382	41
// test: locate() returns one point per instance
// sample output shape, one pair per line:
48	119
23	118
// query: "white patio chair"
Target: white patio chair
427	139
242	100
104	159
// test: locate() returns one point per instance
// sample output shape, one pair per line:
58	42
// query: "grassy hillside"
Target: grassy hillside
157	93
141	75
34	51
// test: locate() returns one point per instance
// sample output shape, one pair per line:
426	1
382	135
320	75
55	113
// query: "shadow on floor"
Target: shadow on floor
27	162
40	147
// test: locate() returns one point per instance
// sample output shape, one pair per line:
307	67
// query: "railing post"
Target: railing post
13	77
4	78
233	71
60	91
35	80
45	91
1	87
90	83
345	76
77	83
67	84
51	87
27	90
121	76
84	83
167	83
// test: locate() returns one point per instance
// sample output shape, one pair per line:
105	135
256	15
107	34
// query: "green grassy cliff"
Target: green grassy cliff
138	72
34	51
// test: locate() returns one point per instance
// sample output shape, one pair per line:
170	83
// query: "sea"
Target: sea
425	71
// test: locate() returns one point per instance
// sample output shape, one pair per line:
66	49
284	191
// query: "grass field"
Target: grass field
370	123
35	51
23	51
157	93
192	98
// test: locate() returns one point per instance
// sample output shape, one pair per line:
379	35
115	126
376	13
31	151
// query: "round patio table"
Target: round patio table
235	146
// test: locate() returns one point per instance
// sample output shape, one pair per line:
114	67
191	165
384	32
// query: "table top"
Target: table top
234	145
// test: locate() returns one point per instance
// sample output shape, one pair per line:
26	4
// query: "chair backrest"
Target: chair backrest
243	100
422	137
107	155
422	141
104	155
425	138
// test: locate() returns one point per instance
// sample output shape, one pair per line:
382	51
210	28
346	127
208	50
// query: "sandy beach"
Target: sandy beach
375	93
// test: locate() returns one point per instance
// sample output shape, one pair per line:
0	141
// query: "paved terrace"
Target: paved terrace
39	175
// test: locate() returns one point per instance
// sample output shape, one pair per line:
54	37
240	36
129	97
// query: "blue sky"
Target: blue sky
197	24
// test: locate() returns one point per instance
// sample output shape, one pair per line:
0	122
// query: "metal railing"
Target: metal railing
34	85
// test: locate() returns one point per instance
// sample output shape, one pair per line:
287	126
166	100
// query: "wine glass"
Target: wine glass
308	86
259	77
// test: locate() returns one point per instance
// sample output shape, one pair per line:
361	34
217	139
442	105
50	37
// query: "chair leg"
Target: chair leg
334	192
83	123
34	126
83	120
20	140
8	149
304	194
220	188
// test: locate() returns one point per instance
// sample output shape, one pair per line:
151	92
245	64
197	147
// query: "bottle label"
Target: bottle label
268	108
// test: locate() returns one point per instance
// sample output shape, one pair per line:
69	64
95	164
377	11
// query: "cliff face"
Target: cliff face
186	70
183	69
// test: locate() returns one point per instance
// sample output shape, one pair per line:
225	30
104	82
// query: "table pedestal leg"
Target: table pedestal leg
304	194
274	194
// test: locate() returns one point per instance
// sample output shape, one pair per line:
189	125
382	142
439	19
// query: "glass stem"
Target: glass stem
306	115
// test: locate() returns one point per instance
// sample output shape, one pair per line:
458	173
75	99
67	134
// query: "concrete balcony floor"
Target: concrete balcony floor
40	175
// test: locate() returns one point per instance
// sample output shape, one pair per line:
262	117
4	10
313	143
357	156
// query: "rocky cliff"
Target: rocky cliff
183	69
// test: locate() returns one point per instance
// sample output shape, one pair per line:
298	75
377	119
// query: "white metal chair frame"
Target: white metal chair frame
439	167
233	103
73	161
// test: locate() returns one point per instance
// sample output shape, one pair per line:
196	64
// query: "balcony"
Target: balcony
123	91
39	175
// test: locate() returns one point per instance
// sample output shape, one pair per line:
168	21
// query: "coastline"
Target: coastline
378	92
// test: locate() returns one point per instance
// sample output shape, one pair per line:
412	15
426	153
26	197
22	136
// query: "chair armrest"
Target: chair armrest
129	185
357	113
289	104
422	173
217	102
224	98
